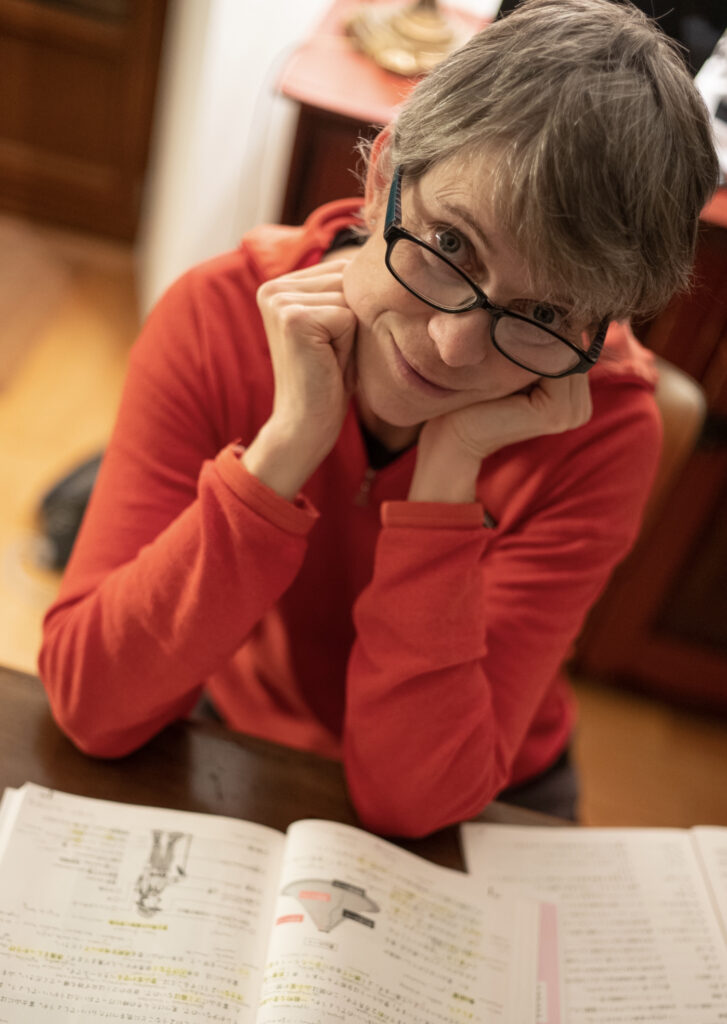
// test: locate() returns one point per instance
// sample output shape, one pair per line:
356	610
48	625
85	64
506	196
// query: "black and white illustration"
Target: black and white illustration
165	865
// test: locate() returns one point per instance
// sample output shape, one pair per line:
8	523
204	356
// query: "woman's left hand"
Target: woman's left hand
452	446
550	407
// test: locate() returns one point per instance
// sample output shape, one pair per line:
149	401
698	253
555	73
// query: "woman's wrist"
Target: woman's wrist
278	461
444	472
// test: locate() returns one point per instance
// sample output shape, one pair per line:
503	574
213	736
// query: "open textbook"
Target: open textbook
642	914
114	912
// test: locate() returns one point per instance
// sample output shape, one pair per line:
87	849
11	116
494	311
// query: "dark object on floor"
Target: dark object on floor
61	511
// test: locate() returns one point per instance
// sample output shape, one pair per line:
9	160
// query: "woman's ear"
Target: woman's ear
378	176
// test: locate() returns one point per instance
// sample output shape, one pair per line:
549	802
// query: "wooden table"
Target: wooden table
196	766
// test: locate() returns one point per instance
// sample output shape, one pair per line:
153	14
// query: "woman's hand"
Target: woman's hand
310	331
452	447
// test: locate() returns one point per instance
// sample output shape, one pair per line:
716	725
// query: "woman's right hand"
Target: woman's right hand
310	331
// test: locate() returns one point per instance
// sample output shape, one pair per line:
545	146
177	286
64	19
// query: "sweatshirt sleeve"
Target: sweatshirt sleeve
463	628
180	553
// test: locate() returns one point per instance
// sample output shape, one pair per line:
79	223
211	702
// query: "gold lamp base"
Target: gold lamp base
408	41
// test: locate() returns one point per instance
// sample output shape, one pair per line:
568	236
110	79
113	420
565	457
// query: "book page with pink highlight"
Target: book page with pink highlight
638	926
548	999
388	936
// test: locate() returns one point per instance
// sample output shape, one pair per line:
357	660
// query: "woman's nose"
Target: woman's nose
462	339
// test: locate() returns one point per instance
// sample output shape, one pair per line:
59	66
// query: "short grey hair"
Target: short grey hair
599	144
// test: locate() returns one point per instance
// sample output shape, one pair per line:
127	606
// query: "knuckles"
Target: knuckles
265	291
281	306
275	293
289	315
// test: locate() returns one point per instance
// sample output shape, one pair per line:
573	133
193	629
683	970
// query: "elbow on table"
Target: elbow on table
79	713
89	731
389	810
107	708
95	742
391	821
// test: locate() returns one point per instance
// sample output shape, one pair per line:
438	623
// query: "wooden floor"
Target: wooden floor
642	763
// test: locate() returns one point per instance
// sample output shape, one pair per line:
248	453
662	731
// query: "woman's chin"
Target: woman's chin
387	420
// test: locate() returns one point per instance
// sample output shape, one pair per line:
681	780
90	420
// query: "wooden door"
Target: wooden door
77	84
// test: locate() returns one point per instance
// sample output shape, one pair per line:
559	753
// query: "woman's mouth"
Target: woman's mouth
415	378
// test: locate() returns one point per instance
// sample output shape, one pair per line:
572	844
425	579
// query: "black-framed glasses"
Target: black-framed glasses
525	340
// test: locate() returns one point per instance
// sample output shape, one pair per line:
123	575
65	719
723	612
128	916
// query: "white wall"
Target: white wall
222	138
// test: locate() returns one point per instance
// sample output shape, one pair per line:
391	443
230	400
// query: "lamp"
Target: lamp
407	40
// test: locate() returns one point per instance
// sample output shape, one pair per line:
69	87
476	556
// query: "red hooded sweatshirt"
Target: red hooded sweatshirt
411	640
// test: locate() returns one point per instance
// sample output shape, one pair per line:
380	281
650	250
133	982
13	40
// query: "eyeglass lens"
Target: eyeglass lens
435	281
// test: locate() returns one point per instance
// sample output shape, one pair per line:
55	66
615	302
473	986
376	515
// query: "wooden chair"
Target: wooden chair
604	648
683	408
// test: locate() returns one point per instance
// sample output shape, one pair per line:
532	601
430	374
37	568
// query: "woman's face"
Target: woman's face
415	363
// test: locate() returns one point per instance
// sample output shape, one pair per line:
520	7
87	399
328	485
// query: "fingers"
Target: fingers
315	279
317	298
329	266
309	305
312	321
338	322
563	403
304	301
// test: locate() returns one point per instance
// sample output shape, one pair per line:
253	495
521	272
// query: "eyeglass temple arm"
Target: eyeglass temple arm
393	208
595	350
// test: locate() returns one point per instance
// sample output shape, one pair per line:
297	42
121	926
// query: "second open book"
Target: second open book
642	914
113	912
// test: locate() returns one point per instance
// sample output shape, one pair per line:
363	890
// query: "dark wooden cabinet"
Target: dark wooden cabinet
77	84
661	625
323	162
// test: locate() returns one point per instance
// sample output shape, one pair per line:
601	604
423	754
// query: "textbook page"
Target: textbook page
366	931
639	937
711	845
112	912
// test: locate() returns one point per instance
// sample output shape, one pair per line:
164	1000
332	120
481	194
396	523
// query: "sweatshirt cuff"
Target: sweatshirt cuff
296	516
436	514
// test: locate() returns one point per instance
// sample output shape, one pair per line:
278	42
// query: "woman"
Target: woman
368	475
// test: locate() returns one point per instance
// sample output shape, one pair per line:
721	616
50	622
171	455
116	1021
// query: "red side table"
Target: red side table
343	96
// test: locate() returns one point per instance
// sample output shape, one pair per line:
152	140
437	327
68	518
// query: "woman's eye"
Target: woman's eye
452	245
543	313
553	318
